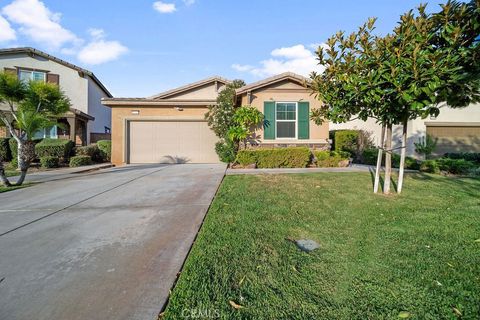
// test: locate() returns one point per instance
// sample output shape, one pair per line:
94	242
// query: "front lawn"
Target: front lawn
414	256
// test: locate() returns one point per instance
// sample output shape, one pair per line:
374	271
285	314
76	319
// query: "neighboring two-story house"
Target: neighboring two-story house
88	120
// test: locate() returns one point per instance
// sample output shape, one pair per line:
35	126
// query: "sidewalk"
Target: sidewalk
57	174
351	168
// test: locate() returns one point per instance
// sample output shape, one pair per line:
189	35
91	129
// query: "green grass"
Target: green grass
6	189
417	254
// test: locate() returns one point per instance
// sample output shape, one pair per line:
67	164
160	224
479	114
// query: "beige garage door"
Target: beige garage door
171	142
455	138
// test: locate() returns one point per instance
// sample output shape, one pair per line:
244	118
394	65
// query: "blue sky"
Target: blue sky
142	47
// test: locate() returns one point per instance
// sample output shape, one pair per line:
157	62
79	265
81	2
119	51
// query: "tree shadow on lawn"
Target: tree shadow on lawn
468	185
372	176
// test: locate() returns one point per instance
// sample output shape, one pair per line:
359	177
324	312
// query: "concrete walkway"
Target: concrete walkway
101	245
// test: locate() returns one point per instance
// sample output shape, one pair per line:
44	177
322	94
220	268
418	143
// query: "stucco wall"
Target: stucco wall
121	114
101	113
74	86
287	91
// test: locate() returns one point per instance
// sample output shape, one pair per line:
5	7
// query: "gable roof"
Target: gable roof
278	78
35	52
189	86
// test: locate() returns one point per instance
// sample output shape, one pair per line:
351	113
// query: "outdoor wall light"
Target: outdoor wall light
179	108
136	112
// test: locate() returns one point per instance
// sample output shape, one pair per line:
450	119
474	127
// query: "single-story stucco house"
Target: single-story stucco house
88	120
171	127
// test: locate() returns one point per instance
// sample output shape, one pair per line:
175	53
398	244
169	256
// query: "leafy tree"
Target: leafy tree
220	119
30	107
246	120
220	115
426	145
428	59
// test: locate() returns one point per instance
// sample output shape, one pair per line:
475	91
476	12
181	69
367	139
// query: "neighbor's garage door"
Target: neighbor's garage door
171	142
455	138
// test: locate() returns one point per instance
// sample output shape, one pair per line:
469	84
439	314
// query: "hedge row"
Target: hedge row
78	161
331	158
275	158
59	148
370	157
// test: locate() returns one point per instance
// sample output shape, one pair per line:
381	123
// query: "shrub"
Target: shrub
246	157
455	166
49	162
78	161
105	147
469	156
346	140
330	158
430	166
5	153
355	142
275	158
55	148
369	157
93	151
226	151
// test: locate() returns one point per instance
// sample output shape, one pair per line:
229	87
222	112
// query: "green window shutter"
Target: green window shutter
269	122
303	120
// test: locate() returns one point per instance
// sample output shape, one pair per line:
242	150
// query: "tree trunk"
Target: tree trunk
388	160
379	161
402	157
3	177
26	153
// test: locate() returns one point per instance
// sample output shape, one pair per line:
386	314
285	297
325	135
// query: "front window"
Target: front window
27	75
47	133
286	120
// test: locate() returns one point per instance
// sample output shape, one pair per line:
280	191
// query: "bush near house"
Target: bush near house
331	158
369	156
78	161
355	142
455	166
5	153
93	151
105	147
469	156
55	148
49	162
430	166
226	150
275	158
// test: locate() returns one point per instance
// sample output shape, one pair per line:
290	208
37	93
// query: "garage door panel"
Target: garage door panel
455	138
171	142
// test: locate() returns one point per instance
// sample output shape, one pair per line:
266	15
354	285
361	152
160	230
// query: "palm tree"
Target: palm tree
26	108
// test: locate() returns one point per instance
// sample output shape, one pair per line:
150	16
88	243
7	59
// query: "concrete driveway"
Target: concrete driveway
101	245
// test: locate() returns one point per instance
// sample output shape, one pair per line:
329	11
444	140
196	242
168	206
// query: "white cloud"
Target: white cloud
36	21
164	7
6	31
296	59
99	50
188	2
